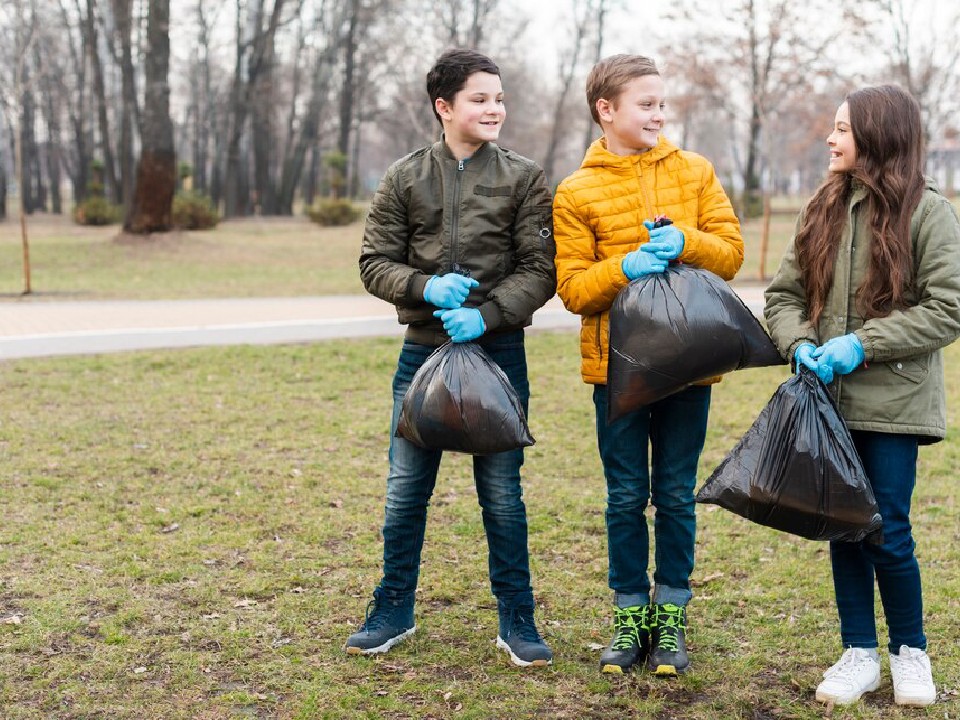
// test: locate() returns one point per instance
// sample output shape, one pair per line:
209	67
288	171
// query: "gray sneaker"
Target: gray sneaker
668	641
388	621
519	638
631	640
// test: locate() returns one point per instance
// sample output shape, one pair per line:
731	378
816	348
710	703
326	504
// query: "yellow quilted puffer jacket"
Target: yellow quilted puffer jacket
598	215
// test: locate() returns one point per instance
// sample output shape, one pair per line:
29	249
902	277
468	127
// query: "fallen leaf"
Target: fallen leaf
172	527
596	646
336	503
13	620
139	670
244	603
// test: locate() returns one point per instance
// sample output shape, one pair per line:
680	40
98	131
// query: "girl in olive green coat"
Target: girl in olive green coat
866	296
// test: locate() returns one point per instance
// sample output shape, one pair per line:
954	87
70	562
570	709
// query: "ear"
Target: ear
605	109
444	108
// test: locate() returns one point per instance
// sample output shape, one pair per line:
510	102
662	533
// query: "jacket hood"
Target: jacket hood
599	157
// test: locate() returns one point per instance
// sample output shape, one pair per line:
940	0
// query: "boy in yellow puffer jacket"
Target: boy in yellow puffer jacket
603	223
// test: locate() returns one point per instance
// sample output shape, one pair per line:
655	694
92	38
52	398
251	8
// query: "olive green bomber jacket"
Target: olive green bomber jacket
900	386
489	217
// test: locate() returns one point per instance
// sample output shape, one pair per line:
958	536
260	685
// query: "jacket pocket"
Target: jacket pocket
914	369
500	191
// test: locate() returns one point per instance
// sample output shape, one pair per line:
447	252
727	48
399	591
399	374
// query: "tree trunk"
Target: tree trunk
308	137
112	189
53	156
592	132
568	69
262	124
156	172
347	87
76	109
28	195
129	116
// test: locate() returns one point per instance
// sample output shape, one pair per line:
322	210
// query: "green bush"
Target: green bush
194	211
97	210
334	212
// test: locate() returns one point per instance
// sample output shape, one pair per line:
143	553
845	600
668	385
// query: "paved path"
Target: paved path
34	328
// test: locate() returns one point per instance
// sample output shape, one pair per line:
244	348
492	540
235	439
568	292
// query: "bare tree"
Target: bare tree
253	56
569	66
772	50
464	21
599	24
156	171
25	28
130	111
302	143
100	93
924	55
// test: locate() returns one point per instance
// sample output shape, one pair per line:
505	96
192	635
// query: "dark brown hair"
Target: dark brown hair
608	77
888	137
452	70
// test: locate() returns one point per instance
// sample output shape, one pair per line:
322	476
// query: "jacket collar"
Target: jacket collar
442	151
598	156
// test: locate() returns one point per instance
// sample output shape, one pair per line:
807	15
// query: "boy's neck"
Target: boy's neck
622	150
461	150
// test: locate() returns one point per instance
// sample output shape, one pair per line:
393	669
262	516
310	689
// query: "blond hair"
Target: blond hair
608	77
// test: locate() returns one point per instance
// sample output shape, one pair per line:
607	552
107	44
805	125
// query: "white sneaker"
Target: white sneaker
855	673
912	681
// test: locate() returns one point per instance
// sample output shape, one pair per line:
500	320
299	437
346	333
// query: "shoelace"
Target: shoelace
669	621
848	664
379	613
911	668
627	629
523	627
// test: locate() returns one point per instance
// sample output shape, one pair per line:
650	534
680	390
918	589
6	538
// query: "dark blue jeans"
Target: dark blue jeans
891	465
413	474
652	455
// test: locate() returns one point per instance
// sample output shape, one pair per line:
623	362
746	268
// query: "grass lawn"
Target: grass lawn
193	534
276	257
255	257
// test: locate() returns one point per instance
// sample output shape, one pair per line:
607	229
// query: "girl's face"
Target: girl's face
843	150
476	113
632	123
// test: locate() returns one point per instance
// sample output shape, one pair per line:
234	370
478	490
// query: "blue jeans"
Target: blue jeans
671	432
891	465
413	474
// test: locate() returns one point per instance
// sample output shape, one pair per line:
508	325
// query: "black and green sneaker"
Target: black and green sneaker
631	639
668	652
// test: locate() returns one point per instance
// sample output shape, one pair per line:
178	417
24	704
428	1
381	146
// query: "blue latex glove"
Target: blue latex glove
838	356
448	291
803	356
462	324
666	242
639	263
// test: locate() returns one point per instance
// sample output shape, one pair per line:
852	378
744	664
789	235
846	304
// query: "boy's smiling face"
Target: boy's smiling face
475	114
632	123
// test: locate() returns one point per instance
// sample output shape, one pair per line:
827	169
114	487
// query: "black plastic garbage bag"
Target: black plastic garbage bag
797	470
672	329
461	400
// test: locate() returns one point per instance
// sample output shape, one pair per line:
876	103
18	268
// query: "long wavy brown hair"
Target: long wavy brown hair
888	136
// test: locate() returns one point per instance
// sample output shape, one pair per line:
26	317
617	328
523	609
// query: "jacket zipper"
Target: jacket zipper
600	336
647	205
846	294
455	221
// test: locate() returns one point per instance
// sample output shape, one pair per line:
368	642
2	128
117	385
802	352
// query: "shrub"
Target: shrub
194	211
97	210
334	212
